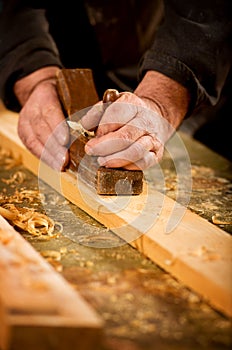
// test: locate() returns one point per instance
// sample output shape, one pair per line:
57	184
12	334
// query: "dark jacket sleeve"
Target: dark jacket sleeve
25	45
193	47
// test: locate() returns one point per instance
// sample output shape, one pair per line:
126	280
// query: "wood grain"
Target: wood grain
38	308
196	252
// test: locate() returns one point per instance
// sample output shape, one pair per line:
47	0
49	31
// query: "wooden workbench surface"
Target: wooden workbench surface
141	304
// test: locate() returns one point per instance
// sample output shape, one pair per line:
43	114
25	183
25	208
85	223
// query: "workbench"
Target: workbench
144	307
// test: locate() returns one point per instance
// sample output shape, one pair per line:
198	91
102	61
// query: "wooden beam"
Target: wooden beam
196	252
38	308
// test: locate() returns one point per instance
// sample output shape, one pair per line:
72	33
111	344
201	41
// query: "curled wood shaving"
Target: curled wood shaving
35	223
7	214
216	220
17	178
30	195
22	195
77	126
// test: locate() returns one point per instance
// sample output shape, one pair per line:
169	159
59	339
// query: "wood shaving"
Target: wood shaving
17	178
77	126
55	264
7	214
216	220
30	195
63	250
53	254
35	223
22	195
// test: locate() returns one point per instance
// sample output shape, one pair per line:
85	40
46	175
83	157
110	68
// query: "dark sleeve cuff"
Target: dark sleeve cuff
26	45
29	59
193	47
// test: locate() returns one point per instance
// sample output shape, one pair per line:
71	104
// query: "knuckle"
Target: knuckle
31	142
49	109
138	150
126	136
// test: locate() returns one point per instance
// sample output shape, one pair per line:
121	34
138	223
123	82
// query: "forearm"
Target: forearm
170	98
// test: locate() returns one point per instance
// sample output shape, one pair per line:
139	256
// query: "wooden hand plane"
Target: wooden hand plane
77	92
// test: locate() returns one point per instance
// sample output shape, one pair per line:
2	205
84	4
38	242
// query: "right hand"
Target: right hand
42	127
132	131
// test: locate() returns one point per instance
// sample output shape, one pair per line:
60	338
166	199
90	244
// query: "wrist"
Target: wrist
24	86
169	98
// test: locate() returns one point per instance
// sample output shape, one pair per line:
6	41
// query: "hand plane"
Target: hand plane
76	90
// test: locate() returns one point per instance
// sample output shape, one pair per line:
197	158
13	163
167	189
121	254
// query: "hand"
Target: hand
132	131
41	125
127	133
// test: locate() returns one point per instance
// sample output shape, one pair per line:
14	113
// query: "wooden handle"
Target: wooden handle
110	95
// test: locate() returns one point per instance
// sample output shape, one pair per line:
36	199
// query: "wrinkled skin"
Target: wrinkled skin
129	133
42	127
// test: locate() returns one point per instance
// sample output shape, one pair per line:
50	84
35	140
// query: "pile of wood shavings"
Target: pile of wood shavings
35	223
22	195
27	219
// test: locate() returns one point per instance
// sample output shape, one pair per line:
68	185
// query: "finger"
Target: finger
58	125
44	111
115	116
48	140
57	159
91	119
130	155
114	141
149	160
52	120
54	154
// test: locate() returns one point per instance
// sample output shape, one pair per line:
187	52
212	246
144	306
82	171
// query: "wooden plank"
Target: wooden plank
38	308
196	252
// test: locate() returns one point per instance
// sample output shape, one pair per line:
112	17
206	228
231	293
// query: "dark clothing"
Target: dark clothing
192	45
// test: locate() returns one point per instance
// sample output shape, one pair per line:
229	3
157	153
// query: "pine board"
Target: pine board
38	308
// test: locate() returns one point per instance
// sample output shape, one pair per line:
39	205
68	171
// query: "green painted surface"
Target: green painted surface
144	308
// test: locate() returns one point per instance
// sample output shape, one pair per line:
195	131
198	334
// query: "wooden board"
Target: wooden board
196	252
38	308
